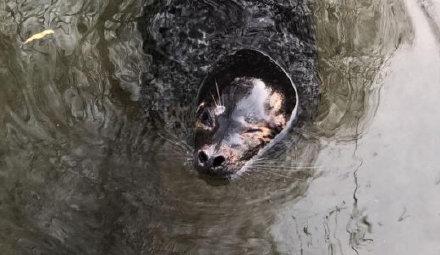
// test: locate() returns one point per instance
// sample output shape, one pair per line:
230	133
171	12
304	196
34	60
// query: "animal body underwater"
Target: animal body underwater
229	77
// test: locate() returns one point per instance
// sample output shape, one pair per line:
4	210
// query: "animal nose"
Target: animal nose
203	157
210	162
218	161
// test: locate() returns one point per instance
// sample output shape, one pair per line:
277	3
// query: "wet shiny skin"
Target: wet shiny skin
234	125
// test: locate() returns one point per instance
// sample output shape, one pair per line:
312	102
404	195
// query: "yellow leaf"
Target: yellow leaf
39	36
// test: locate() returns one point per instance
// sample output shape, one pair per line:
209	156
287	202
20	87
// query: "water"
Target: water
84	171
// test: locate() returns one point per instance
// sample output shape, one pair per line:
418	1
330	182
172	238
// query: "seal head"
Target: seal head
243	104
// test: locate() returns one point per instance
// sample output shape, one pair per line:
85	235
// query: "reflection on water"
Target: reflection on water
355	39
83	169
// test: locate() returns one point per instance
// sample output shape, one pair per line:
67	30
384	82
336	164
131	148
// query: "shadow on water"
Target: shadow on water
85	170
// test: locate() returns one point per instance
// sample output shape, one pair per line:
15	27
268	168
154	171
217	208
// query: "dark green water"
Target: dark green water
83	172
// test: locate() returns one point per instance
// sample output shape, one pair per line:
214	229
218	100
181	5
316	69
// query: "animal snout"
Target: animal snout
212	163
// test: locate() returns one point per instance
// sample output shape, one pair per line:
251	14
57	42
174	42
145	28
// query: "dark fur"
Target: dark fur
183	39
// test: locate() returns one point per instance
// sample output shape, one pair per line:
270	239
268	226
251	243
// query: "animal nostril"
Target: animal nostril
203	157
218	161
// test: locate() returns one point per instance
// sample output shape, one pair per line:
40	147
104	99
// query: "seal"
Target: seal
228	78
243	104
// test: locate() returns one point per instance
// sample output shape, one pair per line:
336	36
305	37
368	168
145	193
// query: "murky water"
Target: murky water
84	170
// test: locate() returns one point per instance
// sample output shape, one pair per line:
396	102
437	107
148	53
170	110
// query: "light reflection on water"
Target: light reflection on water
84	171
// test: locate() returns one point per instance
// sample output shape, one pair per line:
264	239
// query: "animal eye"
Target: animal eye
253	130
206	118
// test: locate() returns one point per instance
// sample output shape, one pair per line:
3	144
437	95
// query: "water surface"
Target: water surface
83	171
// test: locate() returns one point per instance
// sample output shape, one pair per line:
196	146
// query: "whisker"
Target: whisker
308	132
272	173
214	100
261	163
172	153
176	139
286	170
185	147
284	167
264	161
276	163
218	94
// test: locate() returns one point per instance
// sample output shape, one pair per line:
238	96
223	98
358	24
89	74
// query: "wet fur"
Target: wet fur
185	39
